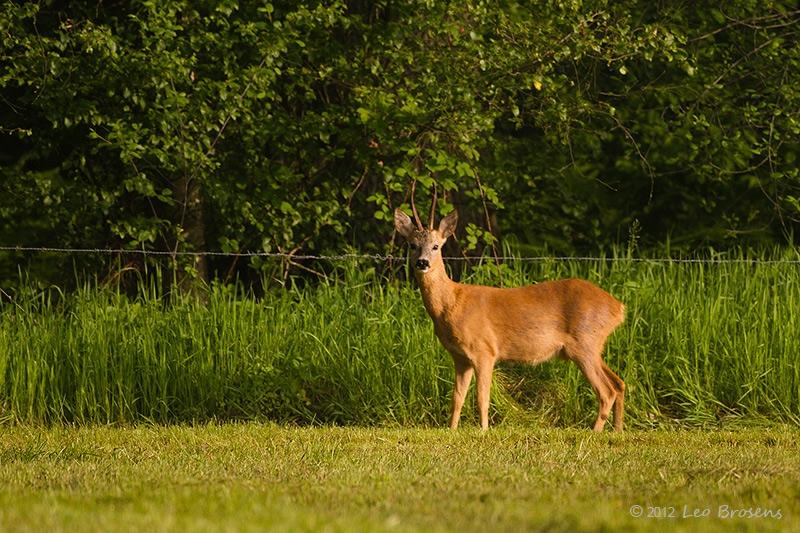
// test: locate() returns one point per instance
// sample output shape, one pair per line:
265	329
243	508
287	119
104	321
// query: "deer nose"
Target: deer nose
423	264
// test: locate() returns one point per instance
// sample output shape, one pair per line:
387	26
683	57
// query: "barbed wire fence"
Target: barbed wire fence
389	257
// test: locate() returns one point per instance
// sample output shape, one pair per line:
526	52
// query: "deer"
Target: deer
481	325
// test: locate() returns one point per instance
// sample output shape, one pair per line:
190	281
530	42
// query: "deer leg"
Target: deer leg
601	383
619	401
483	376
464	373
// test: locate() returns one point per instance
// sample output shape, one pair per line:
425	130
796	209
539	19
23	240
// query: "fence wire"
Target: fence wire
382	258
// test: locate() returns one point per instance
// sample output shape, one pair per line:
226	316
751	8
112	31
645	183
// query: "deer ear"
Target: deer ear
403	224
447	226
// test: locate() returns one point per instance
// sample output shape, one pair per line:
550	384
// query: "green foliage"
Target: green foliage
288	126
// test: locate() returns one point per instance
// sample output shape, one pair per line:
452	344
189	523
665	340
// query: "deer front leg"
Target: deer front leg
483	376
464	373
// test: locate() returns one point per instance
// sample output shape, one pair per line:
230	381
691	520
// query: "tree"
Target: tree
298	126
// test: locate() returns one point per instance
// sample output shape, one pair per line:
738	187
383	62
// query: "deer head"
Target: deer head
426	243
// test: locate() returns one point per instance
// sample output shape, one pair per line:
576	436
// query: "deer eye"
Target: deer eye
435	246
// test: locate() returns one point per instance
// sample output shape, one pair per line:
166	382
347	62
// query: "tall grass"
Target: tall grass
702	344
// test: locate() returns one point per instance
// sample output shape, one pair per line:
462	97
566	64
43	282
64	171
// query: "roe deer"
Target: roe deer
481	325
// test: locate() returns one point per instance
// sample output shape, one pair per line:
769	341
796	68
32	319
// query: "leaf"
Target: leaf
364	114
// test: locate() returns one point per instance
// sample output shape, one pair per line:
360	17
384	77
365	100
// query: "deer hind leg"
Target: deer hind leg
619	402
601	383
464	373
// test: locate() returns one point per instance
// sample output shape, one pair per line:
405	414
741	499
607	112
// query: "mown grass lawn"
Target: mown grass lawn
253	477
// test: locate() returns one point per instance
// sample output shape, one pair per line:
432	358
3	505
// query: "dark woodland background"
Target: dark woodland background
297	127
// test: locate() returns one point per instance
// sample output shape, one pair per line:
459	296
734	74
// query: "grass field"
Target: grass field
248	477
106	399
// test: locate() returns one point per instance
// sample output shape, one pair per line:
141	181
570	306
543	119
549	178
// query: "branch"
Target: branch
751	23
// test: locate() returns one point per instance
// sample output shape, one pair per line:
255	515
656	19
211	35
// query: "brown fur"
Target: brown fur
481	325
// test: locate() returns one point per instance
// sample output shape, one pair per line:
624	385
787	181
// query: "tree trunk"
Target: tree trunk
190	272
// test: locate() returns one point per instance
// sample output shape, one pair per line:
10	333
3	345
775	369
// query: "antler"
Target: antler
433	206
414	207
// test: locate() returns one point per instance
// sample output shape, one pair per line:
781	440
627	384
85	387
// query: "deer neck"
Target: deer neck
438	290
